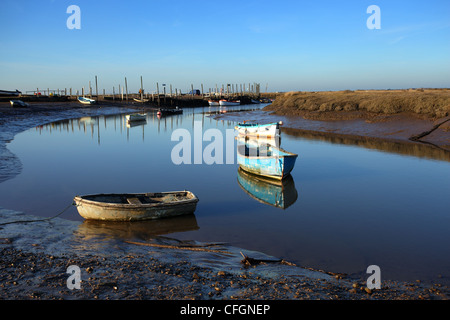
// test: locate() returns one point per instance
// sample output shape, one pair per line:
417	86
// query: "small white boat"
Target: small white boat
141	100
224	102
85	100
213	103
18	104
259	130
136	117
136	206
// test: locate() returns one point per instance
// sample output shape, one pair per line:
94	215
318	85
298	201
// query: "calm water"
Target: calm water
347	207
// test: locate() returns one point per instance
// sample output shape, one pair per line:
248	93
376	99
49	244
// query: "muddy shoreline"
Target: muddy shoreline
35	256
387	133
418	115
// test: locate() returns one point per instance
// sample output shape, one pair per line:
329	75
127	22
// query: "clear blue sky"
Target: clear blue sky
289	45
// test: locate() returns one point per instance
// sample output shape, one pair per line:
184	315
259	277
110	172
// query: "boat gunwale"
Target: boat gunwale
244	125
79	200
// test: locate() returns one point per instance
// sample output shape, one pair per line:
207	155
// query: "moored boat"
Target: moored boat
85	100
169	111
225	102
10	93
136	117
256	129
213	103
141	100
135	206
18	104
265	160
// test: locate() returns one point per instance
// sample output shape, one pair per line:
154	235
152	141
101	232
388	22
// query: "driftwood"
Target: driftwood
251	261
181	247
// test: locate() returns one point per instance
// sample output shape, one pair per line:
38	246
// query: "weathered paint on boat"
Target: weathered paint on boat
135	206
259	130
266	161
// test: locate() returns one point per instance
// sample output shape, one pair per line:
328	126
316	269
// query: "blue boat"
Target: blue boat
265	159
277	193
85	100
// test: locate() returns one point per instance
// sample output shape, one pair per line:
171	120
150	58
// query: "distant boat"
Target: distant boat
213	103
136	117
277	193
141	100
256	129
85	100
10	93
224	102
135	206
256	101
169	111
265	160
18	104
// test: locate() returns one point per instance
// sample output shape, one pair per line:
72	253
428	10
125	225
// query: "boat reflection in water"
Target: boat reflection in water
264	157
136	230
277	193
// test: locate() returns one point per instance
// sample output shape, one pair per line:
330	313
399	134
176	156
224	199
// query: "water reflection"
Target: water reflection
396	147
140	230
280	194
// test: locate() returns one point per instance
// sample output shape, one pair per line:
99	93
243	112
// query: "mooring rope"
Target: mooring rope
38	220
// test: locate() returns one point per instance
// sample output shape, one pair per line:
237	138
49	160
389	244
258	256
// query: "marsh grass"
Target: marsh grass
433	103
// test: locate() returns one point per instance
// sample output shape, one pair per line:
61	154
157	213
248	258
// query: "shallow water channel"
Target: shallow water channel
346	207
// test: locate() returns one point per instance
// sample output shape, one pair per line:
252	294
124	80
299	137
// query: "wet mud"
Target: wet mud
390	133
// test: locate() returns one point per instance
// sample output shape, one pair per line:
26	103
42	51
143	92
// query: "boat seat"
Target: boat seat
135	201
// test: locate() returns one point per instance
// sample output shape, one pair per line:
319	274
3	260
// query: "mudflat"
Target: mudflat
420	115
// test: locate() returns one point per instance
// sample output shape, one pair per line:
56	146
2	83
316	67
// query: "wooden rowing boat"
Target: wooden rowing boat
135	206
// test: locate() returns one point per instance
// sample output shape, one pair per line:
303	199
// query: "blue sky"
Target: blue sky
287	45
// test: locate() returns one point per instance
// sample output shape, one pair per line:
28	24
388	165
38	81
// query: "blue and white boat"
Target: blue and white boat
259	130
265	159
85	100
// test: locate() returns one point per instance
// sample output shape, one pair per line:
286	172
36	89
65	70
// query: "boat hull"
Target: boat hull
114	207
213	103
135	117
18	104
84	100
229	103
274	163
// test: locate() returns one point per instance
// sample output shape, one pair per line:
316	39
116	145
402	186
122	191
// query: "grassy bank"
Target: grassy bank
430	103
